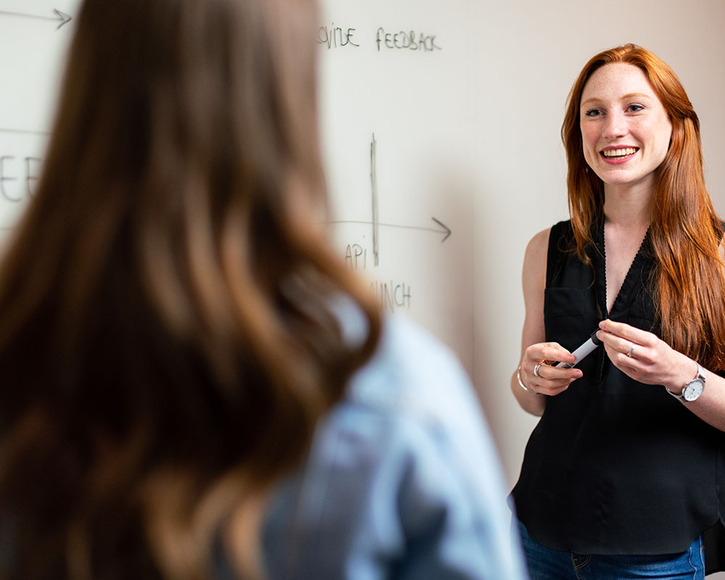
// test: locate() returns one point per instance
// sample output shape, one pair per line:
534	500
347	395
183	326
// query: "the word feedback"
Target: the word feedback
410	40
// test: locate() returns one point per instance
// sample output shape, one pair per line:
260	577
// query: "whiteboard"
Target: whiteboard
396	125
34	37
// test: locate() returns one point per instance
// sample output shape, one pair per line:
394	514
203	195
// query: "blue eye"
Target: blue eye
635	108
593	113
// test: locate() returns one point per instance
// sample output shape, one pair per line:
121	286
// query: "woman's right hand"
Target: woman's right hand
538	373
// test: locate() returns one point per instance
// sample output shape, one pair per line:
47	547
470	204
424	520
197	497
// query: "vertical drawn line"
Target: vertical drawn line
374	184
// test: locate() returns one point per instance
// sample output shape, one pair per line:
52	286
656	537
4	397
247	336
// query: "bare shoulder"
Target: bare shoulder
536	250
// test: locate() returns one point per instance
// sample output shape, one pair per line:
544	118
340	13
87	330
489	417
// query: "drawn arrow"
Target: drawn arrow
61	17
375	213
446	230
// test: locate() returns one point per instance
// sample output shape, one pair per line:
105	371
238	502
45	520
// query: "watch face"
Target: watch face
693	389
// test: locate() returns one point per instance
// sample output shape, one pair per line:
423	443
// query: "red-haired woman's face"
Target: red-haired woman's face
625	129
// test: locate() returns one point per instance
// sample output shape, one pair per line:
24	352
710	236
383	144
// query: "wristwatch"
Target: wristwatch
693	389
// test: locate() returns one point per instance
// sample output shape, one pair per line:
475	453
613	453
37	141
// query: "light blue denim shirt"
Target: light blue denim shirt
402	480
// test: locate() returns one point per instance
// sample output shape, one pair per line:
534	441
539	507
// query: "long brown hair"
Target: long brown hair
169	338
689	287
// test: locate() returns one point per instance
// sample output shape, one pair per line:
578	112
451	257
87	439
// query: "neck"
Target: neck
628	207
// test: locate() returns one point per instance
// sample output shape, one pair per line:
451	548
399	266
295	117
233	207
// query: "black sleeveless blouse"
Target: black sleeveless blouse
614	466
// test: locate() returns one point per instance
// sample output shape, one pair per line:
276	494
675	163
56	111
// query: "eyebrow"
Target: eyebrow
623	97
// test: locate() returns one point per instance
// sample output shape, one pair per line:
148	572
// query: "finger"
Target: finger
552	388
626	331
644	350
629	365
553	352
618	345
627	356
552	391
548	383
553	373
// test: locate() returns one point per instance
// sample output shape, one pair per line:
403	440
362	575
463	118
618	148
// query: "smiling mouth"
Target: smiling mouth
619	153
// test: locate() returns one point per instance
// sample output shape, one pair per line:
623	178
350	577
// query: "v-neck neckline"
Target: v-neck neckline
623	298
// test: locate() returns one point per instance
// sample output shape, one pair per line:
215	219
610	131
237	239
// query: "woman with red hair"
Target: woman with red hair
622	477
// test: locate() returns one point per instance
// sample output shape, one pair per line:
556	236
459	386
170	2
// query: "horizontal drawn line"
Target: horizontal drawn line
61	17
24	132
362	222
447	231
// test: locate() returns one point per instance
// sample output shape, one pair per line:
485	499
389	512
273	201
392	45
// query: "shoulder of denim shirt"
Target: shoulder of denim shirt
412	371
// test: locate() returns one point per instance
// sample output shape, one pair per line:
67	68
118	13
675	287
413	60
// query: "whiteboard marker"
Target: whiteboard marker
589	346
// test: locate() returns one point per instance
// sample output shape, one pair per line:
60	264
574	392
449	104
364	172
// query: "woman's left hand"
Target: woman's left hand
643	356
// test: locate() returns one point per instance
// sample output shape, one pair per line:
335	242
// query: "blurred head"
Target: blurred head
172	275
192	112
221	81
187	133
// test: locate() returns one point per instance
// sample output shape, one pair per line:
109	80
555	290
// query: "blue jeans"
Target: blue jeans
547	564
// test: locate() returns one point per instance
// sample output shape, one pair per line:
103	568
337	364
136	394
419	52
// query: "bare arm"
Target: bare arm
551	381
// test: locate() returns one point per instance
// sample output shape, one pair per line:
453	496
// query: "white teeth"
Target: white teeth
619	152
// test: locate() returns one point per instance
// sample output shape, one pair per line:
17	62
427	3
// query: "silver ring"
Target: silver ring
537	366
631	350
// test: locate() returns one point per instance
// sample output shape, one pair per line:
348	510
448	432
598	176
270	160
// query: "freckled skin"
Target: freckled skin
619	109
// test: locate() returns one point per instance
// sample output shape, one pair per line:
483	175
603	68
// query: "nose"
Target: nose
615	125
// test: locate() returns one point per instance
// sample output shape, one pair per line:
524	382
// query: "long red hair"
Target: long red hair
688	282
